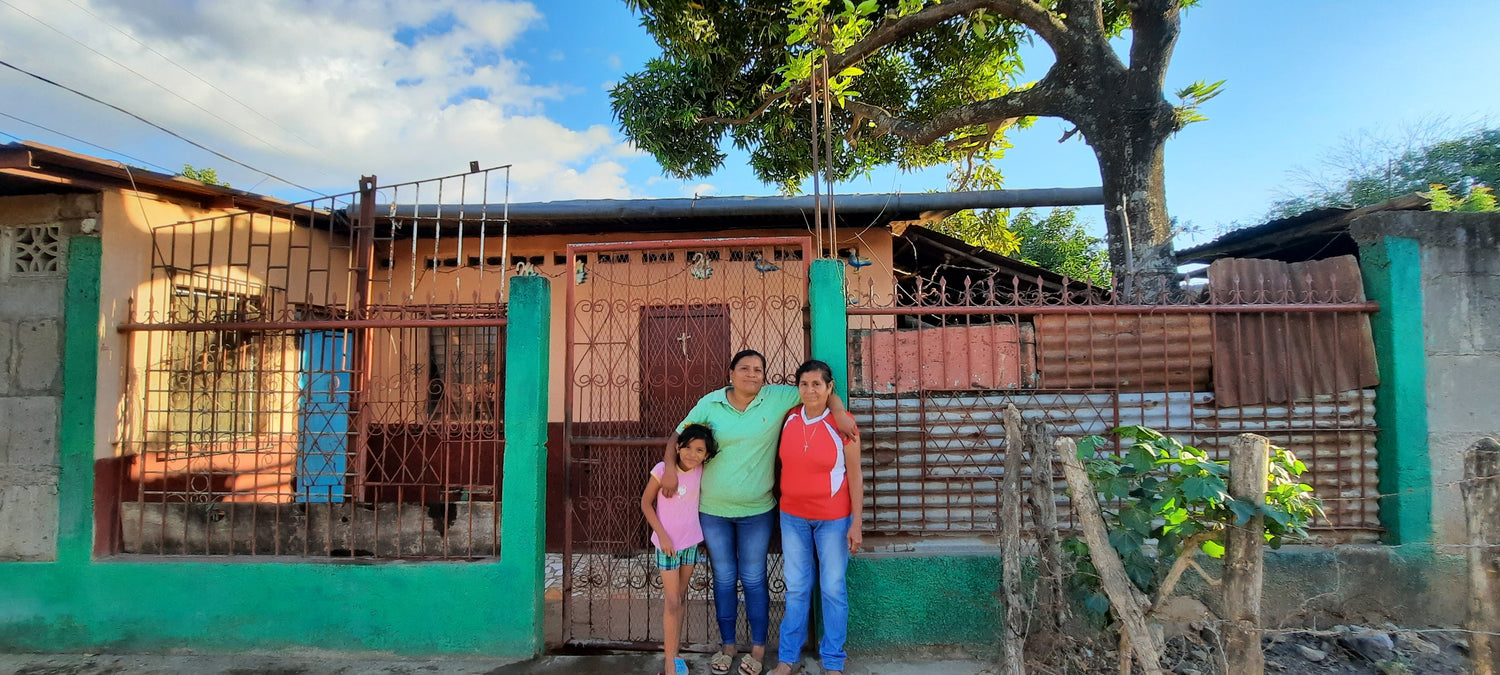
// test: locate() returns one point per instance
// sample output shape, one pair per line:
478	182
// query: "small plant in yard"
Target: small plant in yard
1177	497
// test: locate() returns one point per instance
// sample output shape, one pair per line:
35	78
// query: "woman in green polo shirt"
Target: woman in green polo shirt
736	508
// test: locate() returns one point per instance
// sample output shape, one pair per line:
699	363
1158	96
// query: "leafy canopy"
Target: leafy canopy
208	176
1056	241
1459	172
722	60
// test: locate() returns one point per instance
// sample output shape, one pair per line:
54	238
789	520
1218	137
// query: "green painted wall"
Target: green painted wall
1392	269
904	601
830	322
237	604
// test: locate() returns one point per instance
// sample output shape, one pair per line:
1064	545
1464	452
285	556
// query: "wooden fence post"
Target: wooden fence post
1481	490
1014	642
1050	591
1127	602
1243	564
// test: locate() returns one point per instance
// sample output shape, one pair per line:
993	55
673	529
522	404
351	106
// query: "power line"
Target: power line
133	71
80	140
158	127
184	69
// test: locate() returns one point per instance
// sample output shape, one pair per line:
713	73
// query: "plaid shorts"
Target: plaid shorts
690	556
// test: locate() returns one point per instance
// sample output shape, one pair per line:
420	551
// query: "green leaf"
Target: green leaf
1141	456
1125	541
867	7
1213	549
1137	431
1280	517
1136	518
1201	488
1096	602
1243	511
1088	446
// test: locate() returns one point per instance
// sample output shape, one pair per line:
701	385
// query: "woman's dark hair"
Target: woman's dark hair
692	432
814	366
746	353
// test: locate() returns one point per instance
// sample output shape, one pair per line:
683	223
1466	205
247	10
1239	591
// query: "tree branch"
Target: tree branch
748	118
1155	25
1189	549
1026	12
1039	100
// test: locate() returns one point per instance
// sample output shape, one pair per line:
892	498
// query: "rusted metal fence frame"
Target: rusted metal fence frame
316	268
1350	504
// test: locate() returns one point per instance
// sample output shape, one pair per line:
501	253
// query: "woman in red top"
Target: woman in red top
822	500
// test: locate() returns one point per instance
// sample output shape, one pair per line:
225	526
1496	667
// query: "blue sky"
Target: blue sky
414	89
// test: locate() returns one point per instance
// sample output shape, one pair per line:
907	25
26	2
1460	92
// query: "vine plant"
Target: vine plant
1176	497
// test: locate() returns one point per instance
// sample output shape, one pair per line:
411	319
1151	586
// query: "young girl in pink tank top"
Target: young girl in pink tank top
675	532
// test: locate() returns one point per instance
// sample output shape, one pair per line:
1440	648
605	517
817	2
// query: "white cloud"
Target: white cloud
346	95
613	61
699	190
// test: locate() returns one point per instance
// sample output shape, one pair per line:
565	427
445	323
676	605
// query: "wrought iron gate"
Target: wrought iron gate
650	328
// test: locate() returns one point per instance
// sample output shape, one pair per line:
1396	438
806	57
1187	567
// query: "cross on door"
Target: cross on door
682	339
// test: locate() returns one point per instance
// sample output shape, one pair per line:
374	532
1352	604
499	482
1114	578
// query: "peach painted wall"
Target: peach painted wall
395	285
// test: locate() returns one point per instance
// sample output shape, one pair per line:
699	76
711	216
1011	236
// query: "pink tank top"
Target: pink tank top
679	515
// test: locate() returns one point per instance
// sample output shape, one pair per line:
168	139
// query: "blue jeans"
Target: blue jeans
821	548
737	548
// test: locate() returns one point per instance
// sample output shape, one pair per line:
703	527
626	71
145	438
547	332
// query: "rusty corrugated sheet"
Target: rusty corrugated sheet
1122	351
1288	356
935	463
986	356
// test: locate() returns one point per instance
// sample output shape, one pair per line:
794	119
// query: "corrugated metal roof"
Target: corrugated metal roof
1317	233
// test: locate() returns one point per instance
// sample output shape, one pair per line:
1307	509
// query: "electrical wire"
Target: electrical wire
158	127
80	140
137	73
184	69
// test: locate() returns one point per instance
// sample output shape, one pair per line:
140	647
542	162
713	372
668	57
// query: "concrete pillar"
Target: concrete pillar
830	321
80	379
523	519
1392	270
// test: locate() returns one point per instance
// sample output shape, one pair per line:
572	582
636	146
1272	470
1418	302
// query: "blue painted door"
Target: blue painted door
323	451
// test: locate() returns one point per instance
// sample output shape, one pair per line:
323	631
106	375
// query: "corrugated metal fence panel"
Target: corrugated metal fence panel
1277	357
935	462
986	356
1162	352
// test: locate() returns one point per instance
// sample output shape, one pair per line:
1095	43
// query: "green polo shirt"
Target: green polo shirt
737	482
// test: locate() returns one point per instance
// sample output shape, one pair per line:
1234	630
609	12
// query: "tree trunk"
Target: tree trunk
1132	169
1013	659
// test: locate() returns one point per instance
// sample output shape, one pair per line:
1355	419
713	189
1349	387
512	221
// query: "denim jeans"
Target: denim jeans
737	548
821	548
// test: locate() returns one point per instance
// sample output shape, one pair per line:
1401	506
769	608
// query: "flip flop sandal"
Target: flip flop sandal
720	663
750	666
680	667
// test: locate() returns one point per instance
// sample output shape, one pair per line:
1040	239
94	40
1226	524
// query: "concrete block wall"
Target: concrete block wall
1460	284
33	281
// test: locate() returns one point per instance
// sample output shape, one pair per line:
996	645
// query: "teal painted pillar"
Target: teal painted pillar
523	519
830	321
80	380
1392	269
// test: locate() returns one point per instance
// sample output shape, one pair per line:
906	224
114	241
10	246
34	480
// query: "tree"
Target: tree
1368	170
918	83
1056	241
209	176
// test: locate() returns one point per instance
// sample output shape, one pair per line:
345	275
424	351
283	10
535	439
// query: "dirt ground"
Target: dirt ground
1342	650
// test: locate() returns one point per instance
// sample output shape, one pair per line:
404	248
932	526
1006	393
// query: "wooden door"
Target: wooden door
684	355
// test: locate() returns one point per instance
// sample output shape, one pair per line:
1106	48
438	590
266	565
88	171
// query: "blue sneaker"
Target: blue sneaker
681	667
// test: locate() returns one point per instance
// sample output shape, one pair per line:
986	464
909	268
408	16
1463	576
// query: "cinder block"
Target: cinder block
37	348
28	517
26	298
28	430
